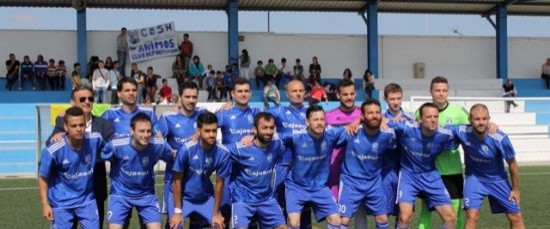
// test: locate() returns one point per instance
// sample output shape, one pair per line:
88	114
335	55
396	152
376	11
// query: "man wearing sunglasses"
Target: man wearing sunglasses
82	96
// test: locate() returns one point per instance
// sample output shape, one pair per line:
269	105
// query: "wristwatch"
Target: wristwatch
177	210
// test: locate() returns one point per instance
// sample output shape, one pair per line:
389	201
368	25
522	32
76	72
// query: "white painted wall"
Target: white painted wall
453	57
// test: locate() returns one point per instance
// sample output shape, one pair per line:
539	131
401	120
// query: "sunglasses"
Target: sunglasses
90	99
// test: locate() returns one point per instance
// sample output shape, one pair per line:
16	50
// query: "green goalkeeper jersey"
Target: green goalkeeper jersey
449	162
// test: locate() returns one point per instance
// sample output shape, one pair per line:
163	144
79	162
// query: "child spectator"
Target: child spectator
27	73
259	73
271	94
75	75
317	94
52	75
61	71
220	84
211	86
165	93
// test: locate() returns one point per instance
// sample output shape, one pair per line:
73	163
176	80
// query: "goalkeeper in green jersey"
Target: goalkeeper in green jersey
449	162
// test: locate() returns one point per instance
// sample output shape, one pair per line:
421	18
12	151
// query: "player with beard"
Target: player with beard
360	182
252	189
195	163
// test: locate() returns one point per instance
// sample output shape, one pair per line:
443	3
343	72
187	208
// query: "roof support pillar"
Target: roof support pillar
82	41
233	31
502	41
372	37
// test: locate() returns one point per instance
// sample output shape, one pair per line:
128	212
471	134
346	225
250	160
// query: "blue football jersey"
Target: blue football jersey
311	157
288	118
121	120
253	171
132	173
177	129
236	123
197	165
484	158
69	171
419	152
391	159
363	158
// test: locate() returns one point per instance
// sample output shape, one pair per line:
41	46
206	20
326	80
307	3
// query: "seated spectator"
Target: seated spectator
75	75
270	71
109	64
220	85
299	72
317	94
165	93
347	74
61	71
179	70
211	86
52	75
313	78
229	78
151	83
12	65
100	82
314	67
283	73
509	91
368	84
259	73
114	77
271	93
27	73
40	72
195	70
545	74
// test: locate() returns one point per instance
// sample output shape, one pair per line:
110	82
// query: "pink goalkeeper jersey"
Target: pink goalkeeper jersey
337	117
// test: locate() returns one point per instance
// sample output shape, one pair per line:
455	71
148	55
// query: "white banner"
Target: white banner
153	42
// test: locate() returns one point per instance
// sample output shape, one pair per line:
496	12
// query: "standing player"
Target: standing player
393	95
307	180
65	175
195	163
132	175
448	163
288	119
235	123
421	144
360	182
120	117
178	128
83	97
253	166
484	155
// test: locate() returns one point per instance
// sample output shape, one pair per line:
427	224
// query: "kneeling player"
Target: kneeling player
484	156
132	176
194	164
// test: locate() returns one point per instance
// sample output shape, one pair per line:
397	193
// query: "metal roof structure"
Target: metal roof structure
481	7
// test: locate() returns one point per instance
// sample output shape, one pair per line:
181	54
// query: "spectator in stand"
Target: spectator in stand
368	84
298	70
220	85
61	71
179	70
245	63
313	78
211	86
75	75
207	71
92	66
114	77
165	93
100	82
139	76
27	73
195	70
122	50
259	74
545	74
40	70
151	83
109	63
271	93
186	48
12	65
314	67
229	78
509	91
347	74
317	94
283	73
52	75
270	71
